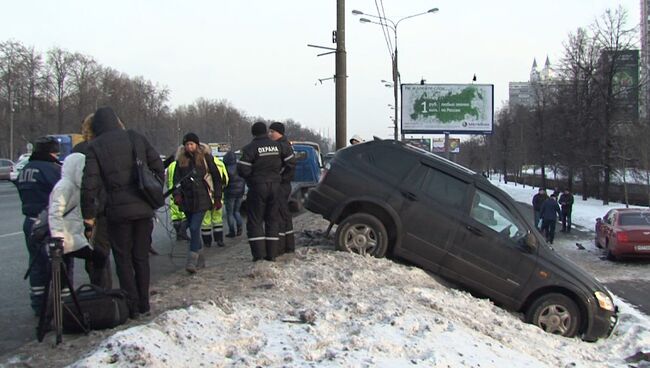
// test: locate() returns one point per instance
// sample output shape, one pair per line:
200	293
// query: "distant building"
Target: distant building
523	93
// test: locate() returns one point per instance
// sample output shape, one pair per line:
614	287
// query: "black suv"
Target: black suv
389	198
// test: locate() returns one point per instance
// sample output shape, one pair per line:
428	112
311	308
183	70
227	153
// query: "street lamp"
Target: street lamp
389	23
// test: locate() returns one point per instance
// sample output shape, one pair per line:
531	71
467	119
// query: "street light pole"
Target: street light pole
341	77
390	24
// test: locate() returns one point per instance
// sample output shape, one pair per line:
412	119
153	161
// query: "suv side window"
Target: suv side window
488	211
390	161
443	188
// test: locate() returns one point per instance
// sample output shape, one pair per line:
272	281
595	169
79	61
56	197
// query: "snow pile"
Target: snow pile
327	308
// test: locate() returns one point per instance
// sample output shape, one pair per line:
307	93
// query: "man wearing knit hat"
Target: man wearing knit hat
261	164
287	241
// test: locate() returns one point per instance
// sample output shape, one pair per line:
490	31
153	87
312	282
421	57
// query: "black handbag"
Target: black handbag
149	183
100	309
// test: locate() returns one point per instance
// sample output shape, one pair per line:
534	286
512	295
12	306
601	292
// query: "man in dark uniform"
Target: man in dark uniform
566	204
287	241
260	165
35	183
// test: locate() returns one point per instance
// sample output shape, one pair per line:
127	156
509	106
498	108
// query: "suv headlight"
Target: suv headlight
604	301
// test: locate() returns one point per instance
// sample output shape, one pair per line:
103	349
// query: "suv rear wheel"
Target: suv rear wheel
363	234
556	314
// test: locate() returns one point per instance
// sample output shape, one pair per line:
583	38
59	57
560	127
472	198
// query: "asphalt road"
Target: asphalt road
17	322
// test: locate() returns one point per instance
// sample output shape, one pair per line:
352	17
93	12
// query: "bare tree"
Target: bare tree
60	63
612	36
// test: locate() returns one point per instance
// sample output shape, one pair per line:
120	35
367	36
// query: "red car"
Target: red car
624	232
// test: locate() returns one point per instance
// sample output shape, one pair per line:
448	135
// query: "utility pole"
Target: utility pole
11	124
341	76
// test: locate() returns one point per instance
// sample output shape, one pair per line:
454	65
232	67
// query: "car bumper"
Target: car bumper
630	250
603	324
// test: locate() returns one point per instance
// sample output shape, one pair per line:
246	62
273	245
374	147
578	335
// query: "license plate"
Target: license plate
642	247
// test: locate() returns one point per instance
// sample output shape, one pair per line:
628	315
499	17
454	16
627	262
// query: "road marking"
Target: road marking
11	234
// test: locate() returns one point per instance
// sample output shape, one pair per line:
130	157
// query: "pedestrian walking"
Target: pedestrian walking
35	183
261	165
287	241
538	200
233	195
179	221
109	167
199	192
566	205
549	213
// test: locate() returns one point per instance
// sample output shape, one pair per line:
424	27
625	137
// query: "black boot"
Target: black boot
181	231
218	238
207	240
230	235
239	230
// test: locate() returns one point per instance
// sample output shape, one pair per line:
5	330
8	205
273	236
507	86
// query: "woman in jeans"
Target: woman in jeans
233	195
200	191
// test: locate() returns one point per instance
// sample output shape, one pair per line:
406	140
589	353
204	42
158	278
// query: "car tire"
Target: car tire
556	314
363	234
608	253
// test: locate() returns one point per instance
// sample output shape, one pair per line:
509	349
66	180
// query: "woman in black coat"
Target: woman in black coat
109	169
200	190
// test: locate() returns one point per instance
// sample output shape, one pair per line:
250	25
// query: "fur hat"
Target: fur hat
191	137
47	145
357	138
258	129
278	127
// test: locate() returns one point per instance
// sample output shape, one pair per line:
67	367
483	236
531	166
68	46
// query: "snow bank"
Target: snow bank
327	308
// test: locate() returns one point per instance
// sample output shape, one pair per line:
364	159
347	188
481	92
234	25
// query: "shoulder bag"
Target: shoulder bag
149	183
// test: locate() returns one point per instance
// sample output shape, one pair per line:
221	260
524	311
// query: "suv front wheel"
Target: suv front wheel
556	314
363	234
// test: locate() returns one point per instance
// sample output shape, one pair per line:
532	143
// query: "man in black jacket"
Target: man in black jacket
566	204
260	165
538	199
110	166
287	241
35	183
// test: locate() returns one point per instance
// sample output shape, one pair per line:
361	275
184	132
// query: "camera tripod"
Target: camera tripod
52	310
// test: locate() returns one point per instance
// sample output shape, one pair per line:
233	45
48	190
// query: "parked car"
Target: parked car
624	232
20	164
6	166
307	174
390	199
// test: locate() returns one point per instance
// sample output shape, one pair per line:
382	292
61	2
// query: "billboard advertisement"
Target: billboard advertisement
439	145
422	143
447	108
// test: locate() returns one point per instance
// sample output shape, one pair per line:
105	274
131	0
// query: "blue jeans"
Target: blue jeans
194	220
232	212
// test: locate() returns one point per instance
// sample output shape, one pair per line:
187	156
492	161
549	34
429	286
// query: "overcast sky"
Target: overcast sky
254	53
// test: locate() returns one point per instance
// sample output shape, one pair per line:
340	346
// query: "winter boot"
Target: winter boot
181	231
231	234
218	238
239	230
192	261
207	240
200	263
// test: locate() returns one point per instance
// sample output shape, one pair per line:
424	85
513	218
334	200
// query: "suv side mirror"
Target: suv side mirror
529	242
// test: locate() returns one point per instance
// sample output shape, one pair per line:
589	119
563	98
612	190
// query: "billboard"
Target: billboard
422	143
447	108
439	145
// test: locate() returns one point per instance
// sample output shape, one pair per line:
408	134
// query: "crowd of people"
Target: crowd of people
548	209
93	203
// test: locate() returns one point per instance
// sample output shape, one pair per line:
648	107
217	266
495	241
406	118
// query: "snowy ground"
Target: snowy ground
325	308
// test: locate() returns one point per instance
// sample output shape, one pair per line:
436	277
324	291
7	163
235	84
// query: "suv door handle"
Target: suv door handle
474	230
410	196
